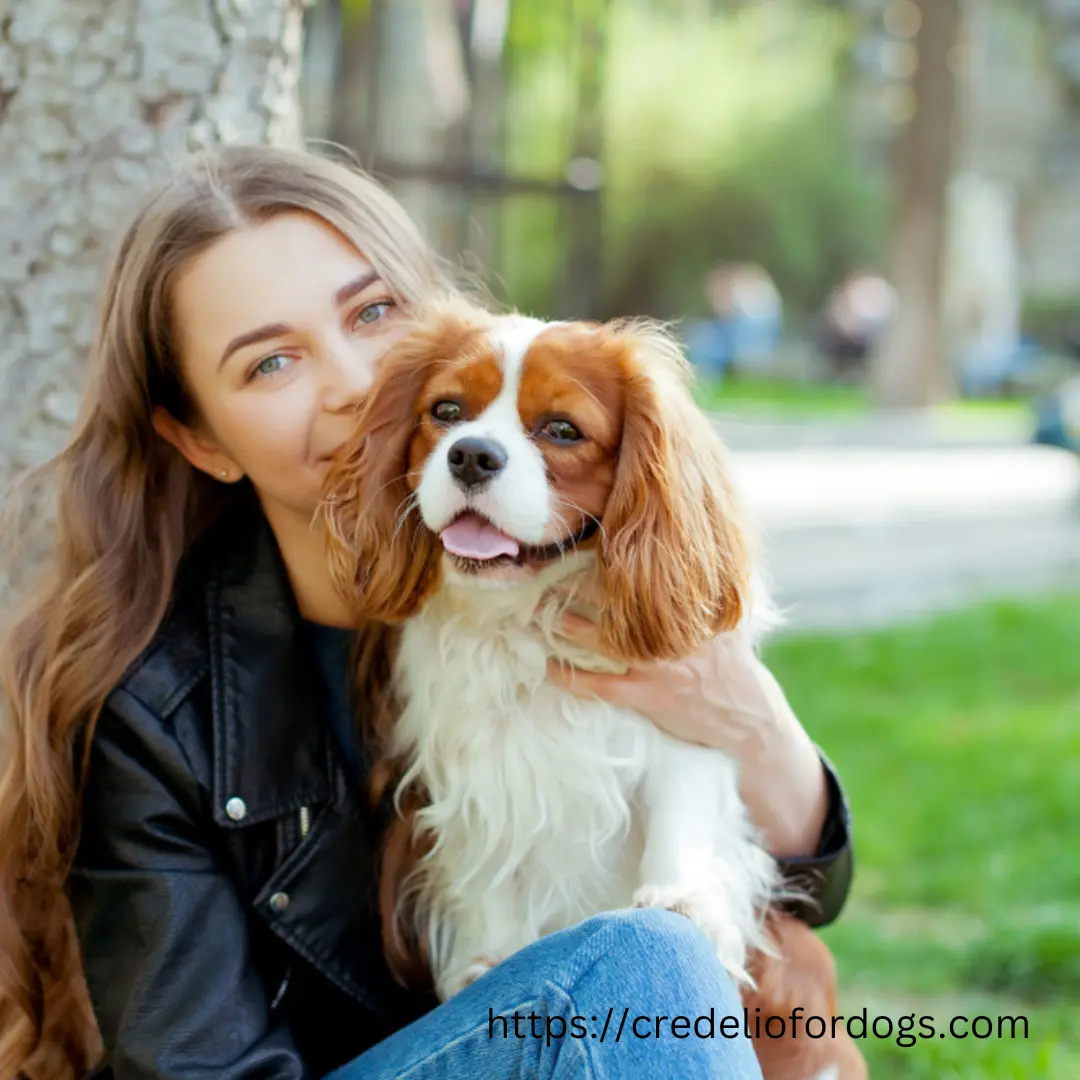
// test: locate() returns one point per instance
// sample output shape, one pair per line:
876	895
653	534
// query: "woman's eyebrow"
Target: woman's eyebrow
252	337
273	330
357	285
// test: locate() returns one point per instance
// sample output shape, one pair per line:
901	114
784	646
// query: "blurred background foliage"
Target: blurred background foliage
731	139
724	132
602	157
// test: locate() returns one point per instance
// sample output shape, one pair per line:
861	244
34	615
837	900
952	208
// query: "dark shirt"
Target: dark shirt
331	647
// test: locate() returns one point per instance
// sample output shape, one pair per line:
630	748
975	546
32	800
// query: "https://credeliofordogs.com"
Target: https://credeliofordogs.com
616	1024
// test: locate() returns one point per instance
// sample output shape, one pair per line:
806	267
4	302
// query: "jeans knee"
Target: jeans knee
640	980
652	946
647	929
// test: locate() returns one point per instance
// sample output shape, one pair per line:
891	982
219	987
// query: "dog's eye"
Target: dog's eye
446	412
561	431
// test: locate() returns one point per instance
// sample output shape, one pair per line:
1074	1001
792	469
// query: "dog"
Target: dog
503	470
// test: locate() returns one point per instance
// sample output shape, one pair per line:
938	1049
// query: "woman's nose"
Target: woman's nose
348	378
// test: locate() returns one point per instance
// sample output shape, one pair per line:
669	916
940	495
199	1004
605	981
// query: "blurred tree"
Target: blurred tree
355	99
580	281
729	139
912	367
96	98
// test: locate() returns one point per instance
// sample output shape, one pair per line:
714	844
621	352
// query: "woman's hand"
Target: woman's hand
723	696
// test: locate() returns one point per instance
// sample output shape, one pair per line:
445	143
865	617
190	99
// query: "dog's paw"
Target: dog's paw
708	916
670	897
457	981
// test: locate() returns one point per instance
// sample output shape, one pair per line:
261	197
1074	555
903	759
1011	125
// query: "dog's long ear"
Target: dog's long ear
382	557
674	557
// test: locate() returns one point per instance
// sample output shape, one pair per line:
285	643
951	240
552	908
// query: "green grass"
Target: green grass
751	393
789	399
959	745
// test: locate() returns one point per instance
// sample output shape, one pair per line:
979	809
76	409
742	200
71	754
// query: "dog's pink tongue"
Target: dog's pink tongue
474	537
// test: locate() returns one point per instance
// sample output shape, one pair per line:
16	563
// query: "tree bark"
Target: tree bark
912	367
97	99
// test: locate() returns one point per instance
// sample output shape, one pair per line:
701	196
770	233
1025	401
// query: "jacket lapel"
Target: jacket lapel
274	756
271	744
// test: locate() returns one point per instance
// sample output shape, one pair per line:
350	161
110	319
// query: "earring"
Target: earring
224	474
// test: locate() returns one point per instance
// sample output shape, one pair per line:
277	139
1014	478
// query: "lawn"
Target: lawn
752	395
959	744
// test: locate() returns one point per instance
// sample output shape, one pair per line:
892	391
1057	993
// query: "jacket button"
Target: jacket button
279	901
236	809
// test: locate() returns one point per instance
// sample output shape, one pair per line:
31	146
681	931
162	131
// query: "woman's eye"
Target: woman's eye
561	431
446	412
271	365
372	313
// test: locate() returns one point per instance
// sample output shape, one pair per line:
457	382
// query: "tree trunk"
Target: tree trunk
487	132
582	214
97	98
407	120
912	367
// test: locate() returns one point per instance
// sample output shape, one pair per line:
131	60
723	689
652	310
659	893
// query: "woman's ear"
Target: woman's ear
199	450
674	558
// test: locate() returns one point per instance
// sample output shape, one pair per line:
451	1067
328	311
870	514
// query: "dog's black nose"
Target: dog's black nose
474	461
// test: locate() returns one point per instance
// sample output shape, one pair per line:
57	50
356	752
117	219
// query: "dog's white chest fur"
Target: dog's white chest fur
547	808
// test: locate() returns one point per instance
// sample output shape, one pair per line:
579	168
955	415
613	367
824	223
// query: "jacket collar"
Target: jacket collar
272	752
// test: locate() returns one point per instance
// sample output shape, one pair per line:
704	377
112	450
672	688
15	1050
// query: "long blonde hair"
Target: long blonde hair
127	507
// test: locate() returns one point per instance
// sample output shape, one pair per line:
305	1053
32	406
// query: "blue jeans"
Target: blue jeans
622	996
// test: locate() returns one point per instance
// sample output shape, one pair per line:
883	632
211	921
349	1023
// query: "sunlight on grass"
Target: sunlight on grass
751	395
959	744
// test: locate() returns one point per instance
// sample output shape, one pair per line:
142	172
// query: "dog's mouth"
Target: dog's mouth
475	544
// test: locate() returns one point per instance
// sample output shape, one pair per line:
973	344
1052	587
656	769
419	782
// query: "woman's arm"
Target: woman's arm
791	789
825	874
162	930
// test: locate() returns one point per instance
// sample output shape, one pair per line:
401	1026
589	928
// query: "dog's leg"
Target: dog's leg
699	858
797	984
480	938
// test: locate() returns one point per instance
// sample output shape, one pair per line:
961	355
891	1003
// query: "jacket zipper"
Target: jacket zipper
305	828
280	995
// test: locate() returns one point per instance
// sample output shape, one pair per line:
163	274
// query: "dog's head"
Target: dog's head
498	449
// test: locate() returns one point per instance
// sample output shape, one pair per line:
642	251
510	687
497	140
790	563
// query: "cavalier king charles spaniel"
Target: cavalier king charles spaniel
501	467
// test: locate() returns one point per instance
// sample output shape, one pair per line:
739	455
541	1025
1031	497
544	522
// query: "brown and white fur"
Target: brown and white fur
524	808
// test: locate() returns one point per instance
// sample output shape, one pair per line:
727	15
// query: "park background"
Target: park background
863	216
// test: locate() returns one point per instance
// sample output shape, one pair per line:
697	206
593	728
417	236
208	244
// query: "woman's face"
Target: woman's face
280	328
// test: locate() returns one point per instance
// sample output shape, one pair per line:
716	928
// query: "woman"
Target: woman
184	775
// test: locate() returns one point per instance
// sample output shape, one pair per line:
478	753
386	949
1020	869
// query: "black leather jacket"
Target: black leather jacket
223	890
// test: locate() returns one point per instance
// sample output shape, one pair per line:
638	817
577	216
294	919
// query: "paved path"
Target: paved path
861	536
902	429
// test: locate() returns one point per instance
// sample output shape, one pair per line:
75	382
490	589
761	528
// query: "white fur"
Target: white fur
547	808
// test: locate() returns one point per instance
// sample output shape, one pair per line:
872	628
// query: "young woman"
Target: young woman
181	812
